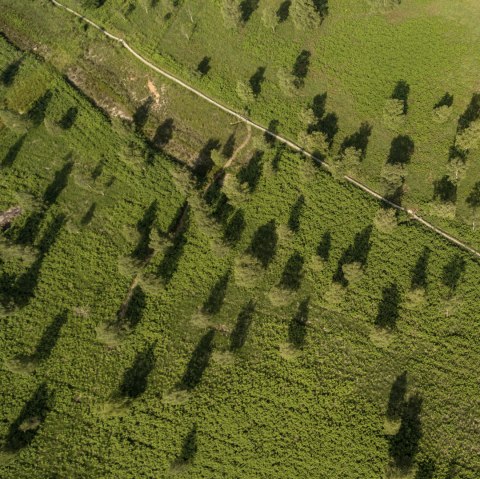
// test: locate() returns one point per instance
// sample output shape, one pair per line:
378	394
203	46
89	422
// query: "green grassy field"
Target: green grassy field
362	56
278	324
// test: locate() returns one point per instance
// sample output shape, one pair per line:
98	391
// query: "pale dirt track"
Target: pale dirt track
279	138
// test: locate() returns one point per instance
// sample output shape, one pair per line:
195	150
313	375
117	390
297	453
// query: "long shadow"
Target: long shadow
28	232
388	308
169	264
180	221
396	399
453	271
204	162
401	92
189	448
297	330
128	317
143	251
403	446
50	337
471	114
321	7
235	227
214	302
98	170
7	77
58	184
401	150
26	283
293	272
328	125
264	243
88	216
242	326
69	118
272	128
164	133
214	190
229	147
473	199
319	104
445	190
278	156
135	378
358	140
296	214
323	248
355	253
252	172
300	68
426	469
283	11
223	208
256	81
198	362
419	272
140	116
446	100
38	111
204	66
13	152
247	7
28	423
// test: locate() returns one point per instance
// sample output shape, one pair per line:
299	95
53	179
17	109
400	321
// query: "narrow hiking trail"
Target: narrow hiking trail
279	138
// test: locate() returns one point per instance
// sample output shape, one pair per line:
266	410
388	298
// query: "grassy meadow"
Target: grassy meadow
166	318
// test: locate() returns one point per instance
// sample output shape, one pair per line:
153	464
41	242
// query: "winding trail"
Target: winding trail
279	138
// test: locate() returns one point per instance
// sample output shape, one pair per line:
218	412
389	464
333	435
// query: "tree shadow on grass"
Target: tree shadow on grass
396	400
283	11
242	326
426	469
278	157
401	150
453	271
7	77
403	446
169	264
297	330
256	81
247	7
264	243
419	272
300	68
251	173
446	100
328	125
445	190
140	116
143	251
323	248
98	170
229	147
23	431
388	308
38	111
471	114
164	133
204	66
198	362
401	92
69	118
272	130
235	227
204	162
13	152
26	283
50	337
293	272
296	214
88	216
358	140
58	184
355	253
189	448
217	295
131	313
135	378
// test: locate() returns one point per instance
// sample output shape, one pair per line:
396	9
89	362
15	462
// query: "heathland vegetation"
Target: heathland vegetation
164	316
